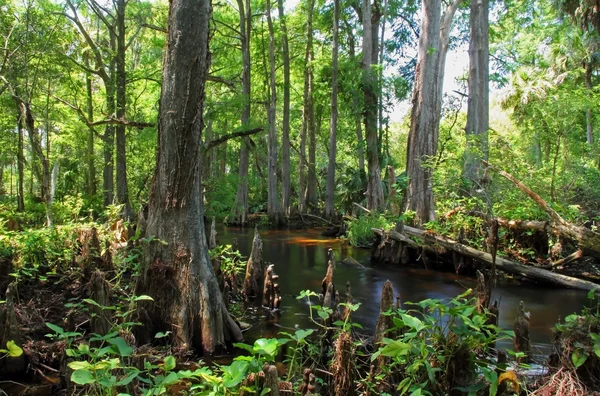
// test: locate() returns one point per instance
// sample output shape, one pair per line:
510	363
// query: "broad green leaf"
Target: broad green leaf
82	376
412	322
122	346
235	373
170	363
578	357
13	349
395	348
91	302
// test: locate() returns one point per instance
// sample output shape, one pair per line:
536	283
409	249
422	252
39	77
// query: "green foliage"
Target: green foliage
437	346
232	261
360	231
12	350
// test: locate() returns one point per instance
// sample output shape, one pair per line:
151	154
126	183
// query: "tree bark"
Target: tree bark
424	126
588	113
239	212
273	207
309	113
91	169
122	188
178	275
20	165
285	141
478	106
426	110
370	19
357	113
329	201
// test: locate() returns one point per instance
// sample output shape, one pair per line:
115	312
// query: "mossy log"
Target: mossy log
529	272
254	269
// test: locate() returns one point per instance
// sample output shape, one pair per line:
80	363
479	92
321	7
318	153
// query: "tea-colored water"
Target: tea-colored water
300	259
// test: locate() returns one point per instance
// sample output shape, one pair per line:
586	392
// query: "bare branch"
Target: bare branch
230	83
155	27
121	121
232	135
233	29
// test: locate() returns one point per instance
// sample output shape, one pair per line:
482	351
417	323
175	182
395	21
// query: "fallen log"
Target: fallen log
588	240
533	273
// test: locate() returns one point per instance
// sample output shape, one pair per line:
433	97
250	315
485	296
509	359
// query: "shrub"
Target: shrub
360	233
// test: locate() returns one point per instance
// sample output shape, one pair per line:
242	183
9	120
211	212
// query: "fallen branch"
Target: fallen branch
361	207
533	273
588	240
570	258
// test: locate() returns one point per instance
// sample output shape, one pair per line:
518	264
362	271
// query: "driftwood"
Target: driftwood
587	240
536	274
521	327
254	269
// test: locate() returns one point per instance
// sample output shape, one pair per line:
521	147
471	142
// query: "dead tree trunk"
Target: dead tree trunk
521	327
99	291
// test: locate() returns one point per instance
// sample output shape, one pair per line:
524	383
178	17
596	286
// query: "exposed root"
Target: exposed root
563	382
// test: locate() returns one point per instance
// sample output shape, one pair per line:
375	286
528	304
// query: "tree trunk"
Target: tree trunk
239	211
370	19
20	165
478	108
122	188
309	112
109	146
91	170
357	114
329	200
589	121
178	275
285	141
427	107
273	207
36	148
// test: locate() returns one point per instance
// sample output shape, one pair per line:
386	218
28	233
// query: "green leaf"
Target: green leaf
235	373
82	376
79	365
170	379
122	346
13	349
578	357
412	322
91	302
302	334
169	363
160	334
128	378
57	329
493	378
395	348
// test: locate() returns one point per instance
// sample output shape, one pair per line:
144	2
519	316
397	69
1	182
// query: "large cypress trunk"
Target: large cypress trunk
424	126
176	271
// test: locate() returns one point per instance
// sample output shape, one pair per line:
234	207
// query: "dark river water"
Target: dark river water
300	259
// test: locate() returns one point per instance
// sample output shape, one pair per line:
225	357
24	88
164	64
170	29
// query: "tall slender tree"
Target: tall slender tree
273	206
285	140
478	106
329	200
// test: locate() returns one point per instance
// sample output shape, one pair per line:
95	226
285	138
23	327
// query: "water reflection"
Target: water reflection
300	260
